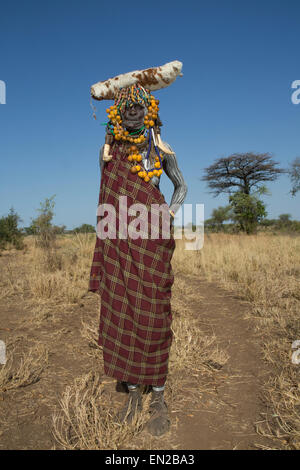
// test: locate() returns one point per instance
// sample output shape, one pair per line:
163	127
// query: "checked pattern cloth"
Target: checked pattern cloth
134	278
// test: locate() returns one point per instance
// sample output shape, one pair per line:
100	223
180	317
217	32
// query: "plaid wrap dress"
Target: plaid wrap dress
134	279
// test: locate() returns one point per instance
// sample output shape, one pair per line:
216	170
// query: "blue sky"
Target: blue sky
239	61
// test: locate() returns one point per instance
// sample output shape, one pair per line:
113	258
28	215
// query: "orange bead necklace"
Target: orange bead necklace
121	134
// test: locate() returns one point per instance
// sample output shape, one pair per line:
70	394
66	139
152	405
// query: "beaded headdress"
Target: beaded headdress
135	94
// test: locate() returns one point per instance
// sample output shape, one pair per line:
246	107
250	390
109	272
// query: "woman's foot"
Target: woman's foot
132	406
159	422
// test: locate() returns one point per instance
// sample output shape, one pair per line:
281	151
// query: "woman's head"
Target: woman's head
134	111
132	103
133	116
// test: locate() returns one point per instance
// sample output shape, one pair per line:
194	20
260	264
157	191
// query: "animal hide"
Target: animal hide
154	78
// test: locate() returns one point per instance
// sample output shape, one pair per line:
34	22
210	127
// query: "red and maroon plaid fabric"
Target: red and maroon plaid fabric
134	278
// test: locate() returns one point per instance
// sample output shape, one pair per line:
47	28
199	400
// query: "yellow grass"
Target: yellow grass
86	420
24	371
58	275
263	269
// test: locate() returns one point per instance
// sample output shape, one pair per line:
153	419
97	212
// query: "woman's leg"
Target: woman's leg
159	422
133	404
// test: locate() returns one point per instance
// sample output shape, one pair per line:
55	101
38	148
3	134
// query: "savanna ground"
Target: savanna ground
231	384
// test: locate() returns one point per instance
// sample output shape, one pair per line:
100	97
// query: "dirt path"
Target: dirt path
227	420
224	405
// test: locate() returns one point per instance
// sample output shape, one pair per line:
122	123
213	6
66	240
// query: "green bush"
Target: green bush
9	231
85	228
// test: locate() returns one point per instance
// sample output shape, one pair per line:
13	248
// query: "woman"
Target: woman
133	274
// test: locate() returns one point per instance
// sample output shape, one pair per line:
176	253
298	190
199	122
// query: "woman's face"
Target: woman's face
133	117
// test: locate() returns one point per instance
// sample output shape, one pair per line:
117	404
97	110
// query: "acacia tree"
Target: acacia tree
294	173
243	171
239	175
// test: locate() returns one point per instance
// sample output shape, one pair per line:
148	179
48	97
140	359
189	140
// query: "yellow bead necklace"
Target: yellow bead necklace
149	121
121	134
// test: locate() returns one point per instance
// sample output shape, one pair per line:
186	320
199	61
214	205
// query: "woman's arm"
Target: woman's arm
171	168
101	161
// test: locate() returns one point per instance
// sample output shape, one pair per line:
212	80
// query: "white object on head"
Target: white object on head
153	79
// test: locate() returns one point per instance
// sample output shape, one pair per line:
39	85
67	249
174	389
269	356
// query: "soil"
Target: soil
226	410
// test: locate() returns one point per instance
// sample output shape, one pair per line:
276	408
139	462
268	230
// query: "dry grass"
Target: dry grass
24	371
86	419
265	270
194	358
50	276
89	332
192	349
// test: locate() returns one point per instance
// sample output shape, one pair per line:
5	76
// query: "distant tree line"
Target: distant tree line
84	228
223	220
43	226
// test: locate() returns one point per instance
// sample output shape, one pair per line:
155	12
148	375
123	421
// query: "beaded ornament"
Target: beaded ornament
136	94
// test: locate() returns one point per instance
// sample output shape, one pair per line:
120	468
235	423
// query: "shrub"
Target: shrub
9	231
